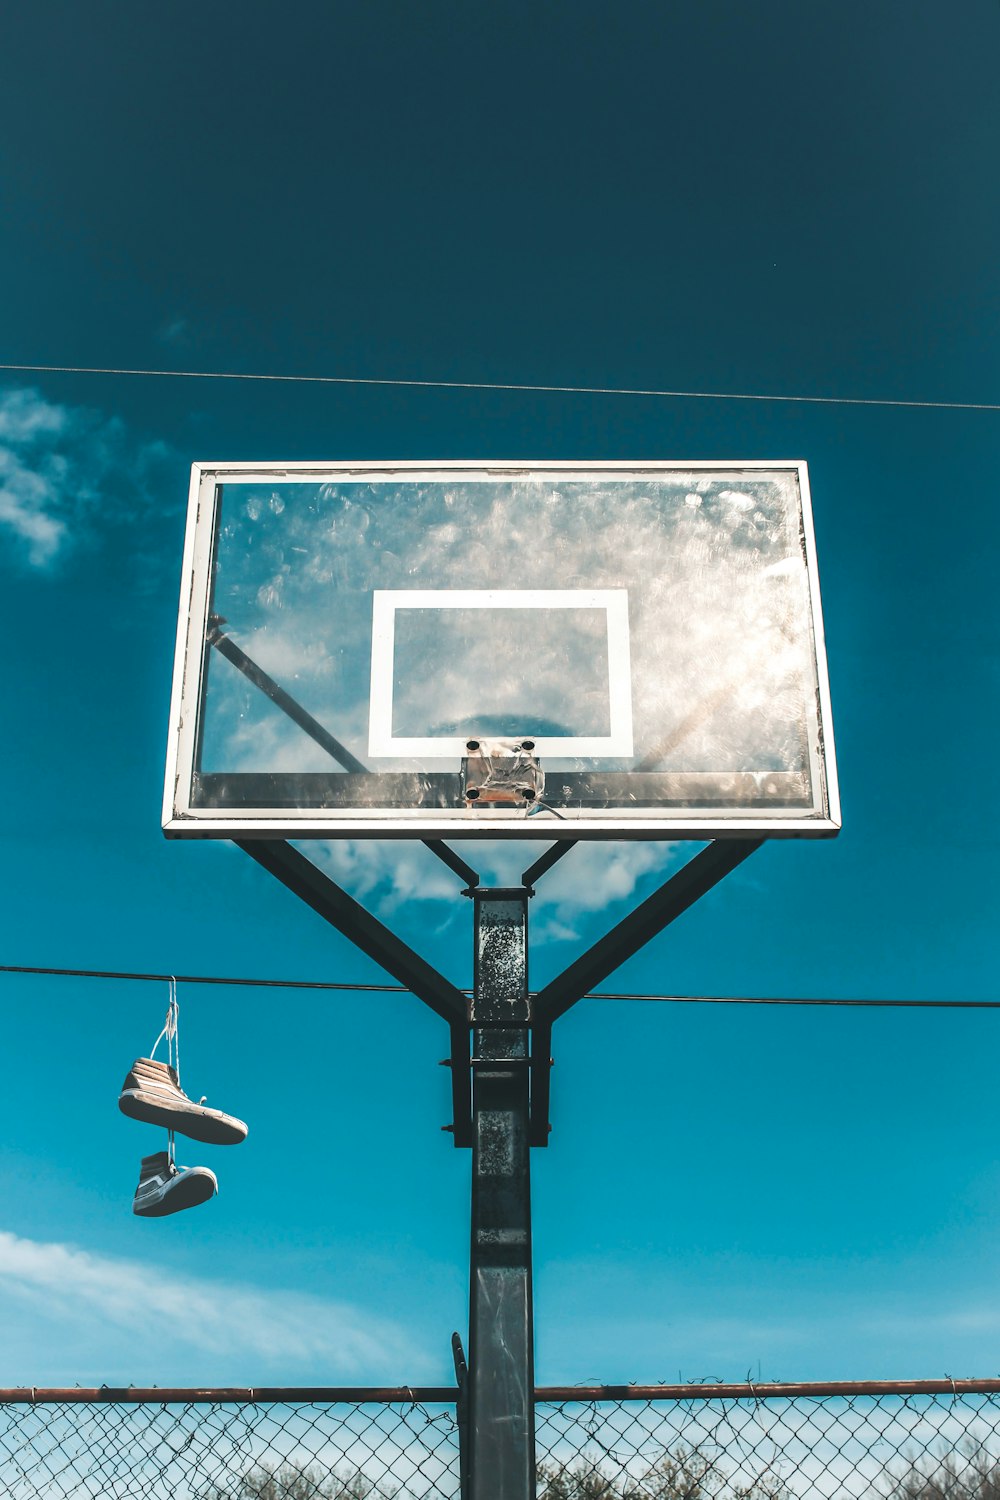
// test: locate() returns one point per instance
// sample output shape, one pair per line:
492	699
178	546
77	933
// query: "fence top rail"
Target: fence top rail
323	1395
766	1390
137	1395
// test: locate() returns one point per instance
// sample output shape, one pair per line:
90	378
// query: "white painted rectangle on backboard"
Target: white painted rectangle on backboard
569	660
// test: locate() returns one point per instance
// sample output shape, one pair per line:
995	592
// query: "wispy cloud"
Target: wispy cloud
67	474
175	332
592	877
388	873
71	1287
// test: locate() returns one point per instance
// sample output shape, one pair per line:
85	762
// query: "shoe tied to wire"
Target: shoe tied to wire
151	1093
164	1188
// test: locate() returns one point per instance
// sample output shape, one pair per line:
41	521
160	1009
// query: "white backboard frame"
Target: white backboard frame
183	820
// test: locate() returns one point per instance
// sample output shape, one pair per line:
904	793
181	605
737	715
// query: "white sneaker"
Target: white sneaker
151	1093
164	1188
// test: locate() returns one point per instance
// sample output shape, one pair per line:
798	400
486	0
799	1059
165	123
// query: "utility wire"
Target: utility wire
401	989
274	984
496	385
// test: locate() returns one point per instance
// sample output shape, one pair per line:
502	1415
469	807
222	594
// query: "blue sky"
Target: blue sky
782	199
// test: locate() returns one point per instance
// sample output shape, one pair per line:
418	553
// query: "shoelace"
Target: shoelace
171	1029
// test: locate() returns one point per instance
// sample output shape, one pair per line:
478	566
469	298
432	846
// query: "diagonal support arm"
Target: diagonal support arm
681	891
366	932
551	856
672	899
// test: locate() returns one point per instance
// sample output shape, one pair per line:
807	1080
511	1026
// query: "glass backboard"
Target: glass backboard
530	650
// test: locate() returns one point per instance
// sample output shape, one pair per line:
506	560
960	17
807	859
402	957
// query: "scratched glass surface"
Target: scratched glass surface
722	663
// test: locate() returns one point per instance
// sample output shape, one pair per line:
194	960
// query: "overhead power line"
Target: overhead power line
401	989
498	385
273	984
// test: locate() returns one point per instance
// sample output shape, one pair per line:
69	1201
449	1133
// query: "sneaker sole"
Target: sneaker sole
194	1124
187	1193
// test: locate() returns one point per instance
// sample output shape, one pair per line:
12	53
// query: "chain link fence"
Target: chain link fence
274	1445
932	1440
926	1440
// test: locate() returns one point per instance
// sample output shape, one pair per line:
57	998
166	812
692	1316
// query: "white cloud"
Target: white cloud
391	872
972	1319
69	1287
592	877
552	930
66	474
175	332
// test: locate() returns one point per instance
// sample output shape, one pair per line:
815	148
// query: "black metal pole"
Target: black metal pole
501	1447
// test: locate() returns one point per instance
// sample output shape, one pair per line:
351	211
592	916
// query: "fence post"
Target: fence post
501	1447
462	1414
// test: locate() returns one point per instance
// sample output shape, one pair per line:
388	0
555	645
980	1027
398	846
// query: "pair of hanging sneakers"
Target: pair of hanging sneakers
152	1093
